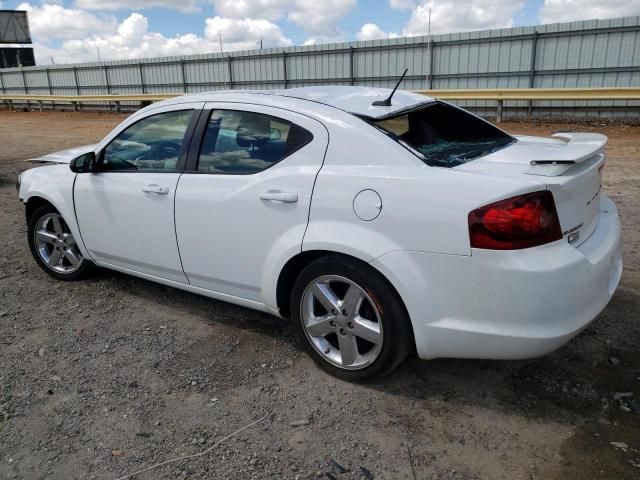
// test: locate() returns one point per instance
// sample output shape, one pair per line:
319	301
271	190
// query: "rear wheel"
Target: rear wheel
349	318
53	246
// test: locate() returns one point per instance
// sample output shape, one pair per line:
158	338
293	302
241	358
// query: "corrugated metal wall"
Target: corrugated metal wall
598	53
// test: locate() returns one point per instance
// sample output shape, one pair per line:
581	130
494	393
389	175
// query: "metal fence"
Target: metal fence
597	53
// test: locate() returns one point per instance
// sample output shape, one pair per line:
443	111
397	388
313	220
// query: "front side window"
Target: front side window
152	144
444	136
237	142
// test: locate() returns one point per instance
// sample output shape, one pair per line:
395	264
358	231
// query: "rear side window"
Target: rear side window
237	142
443	135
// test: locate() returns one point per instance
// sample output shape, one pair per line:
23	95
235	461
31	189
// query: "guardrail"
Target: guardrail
618	93
531	94
498	95
76	100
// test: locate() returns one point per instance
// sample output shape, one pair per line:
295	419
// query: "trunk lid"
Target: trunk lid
570	164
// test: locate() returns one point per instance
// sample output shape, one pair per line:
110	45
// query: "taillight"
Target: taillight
524	221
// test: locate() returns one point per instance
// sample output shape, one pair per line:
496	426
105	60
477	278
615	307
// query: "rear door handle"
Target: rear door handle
157	189
278	196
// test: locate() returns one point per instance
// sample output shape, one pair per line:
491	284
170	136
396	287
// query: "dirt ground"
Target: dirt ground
101	378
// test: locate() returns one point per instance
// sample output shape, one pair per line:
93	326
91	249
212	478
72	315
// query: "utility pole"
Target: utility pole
429	49
260	44
98	49
224	83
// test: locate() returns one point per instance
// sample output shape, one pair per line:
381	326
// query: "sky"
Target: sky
67	31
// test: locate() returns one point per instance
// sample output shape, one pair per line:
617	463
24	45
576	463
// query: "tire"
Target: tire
66	261
377	325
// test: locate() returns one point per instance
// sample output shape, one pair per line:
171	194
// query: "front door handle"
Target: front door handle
278	196
157	189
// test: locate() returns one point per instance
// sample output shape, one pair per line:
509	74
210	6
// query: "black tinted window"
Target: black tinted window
153	143
247	142
445	136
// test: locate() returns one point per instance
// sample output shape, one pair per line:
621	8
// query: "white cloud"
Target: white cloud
371	31
320	39
245	34
132	39
320	17
188	6
553	11
242	24
456	16
54	21
401	4
269	9
317	17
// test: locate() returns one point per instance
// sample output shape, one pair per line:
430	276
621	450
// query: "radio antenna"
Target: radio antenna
387	101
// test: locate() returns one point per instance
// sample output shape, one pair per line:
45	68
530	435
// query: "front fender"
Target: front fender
55	185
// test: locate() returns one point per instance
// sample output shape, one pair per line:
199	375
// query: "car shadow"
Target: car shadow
565	382
205	308
7	180
578	380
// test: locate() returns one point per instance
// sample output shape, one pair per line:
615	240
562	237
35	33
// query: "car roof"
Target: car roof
355	100
358	100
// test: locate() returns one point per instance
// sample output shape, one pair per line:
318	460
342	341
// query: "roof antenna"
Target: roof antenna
387	101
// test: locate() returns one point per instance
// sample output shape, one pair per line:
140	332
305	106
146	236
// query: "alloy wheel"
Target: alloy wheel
55	244
342	322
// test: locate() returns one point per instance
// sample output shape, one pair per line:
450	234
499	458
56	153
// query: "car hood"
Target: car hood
64	156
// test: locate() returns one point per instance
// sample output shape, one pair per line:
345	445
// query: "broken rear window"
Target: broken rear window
443	135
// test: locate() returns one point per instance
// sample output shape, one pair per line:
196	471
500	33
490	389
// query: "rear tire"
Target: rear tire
53	246
350	319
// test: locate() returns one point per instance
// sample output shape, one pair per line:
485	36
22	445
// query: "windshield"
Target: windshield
443	135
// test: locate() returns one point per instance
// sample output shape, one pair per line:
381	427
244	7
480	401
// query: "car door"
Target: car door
245	195
125	210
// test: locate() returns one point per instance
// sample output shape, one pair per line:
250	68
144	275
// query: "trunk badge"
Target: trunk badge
573	234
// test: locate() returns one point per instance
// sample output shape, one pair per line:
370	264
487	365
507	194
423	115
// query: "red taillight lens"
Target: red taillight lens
519	222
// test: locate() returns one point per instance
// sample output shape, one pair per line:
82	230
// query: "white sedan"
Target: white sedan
379	226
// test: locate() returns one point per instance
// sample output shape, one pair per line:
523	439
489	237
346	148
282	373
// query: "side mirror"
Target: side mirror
84	163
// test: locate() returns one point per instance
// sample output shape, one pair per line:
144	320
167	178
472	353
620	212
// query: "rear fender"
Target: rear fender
354	239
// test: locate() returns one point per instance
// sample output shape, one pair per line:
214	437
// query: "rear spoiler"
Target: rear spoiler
579	147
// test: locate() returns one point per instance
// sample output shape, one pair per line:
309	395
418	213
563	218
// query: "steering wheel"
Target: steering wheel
162	150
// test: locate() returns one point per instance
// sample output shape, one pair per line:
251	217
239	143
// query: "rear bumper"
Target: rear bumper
507	305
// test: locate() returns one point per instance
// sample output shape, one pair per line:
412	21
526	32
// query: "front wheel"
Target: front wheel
350	319
53	246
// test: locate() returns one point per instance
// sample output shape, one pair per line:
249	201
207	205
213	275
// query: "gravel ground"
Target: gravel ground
101	378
